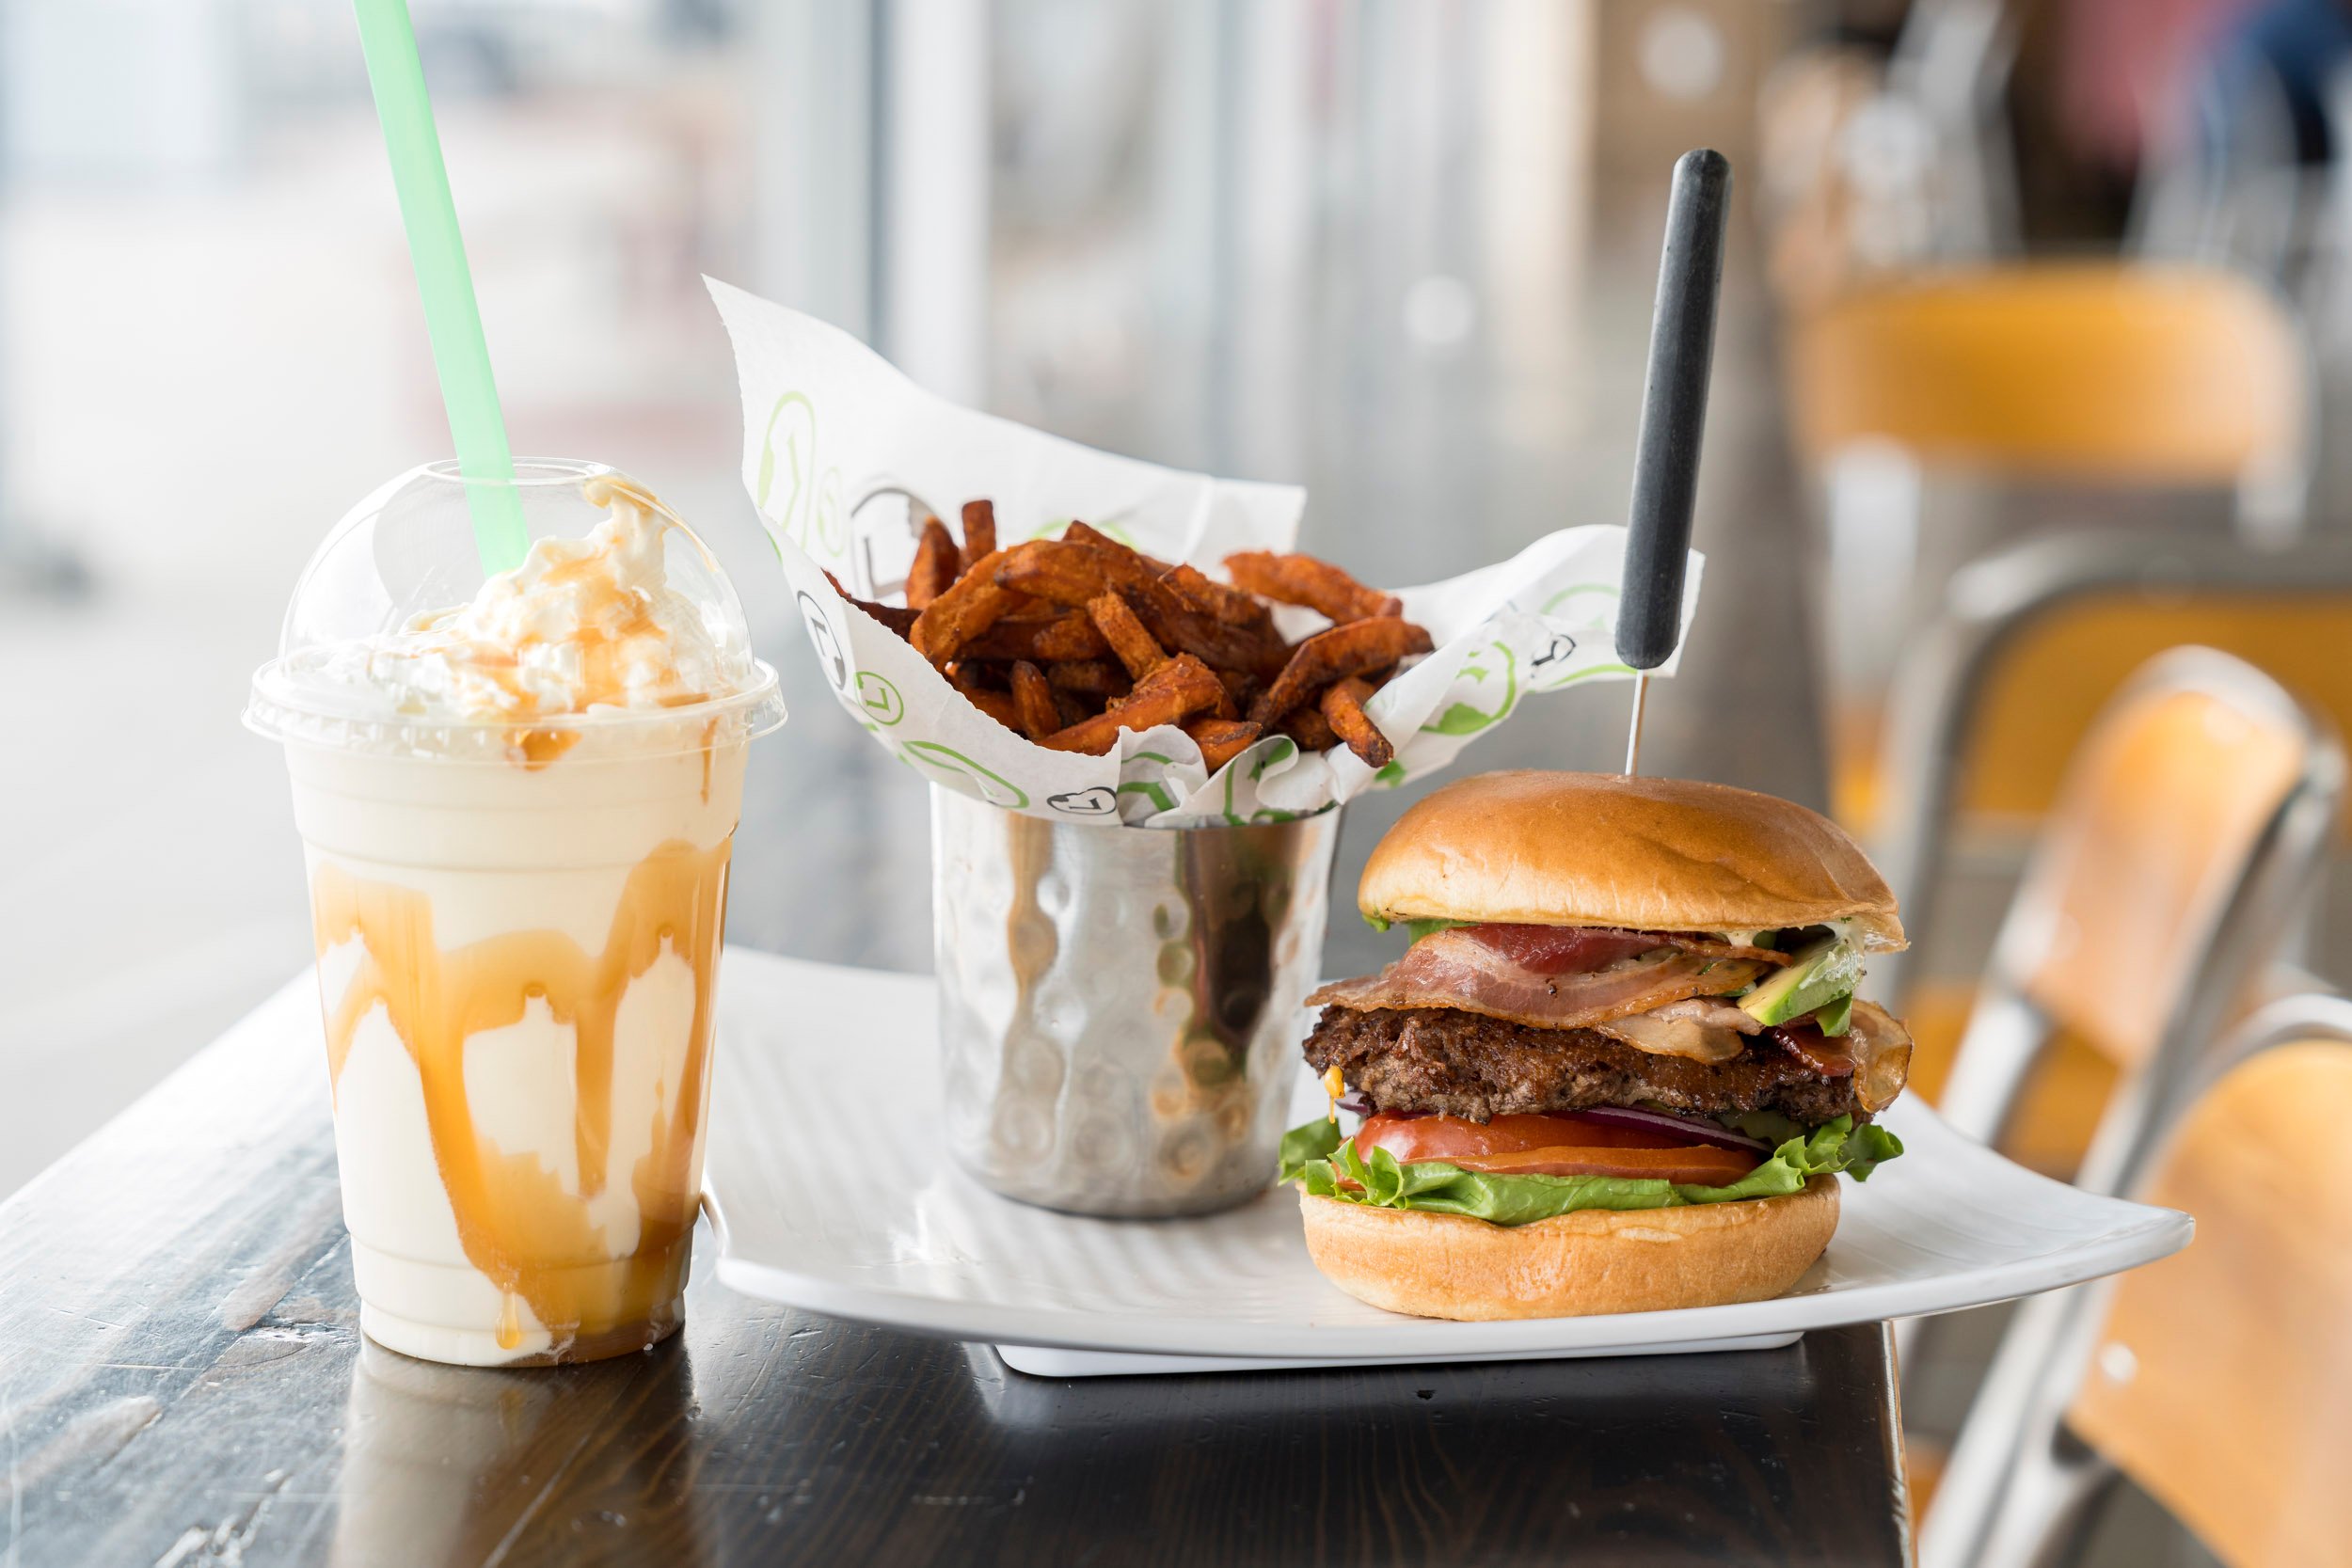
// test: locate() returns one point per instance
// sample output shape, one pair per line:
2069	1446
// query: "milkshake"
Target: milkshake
516	796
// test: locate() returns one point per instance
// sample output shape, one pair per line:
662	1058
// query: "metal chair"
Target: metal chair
1994	697
1873	167
2214	1379
2224	186
2179	858
1953	62
2178	862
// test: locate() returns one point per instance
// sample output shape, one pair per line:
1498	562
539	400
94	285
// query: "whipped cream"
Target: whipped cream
625	642
581	623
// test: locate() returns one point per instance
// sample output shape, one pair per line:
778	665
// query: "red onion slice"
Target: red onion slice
1357	1102
1702	1129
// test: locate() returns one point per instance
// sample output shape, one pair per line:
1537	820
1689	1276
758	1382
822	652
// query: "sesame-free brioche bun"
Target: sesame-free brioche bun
1604	849
1573	1265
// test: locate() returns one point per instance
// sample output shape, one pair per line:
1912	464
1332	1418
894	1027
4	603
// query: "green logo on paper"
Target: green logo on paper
798	439
1465	718
1577	590
1283	749
809	503
1611	668
994	788
1152	790
879	698
1596	615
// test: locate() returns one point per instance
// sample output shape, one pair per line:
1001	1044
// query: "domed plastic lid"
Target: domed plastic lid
618	634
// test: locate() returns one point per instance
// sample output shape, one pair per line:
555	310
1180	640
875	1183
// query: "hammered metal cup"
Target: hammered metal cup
1119	1006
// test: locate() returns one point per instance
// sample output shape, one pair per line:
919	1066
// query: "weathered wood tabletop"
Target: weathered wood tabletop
182	1382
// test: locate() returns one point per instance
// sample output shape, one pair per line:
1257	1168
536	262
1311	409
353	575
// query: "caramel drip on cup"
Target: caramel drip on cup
518	1224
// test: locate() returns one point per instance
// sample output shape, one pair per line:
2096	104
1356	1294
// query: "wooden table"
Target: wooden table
182	1382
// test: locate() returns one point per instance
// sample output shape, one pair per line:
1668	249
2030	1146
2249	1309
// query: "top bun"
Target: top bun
1646	854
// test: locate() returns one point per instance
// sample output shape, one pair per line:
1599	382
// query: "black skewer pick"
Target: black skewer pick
1674	416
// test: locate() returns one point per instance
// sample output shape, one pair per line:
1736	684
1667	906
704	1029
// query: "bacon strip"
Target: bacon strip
1457	969
1875	1052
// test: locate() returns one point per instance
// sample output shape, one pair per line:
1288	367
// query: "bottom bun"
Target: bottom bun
1572	1265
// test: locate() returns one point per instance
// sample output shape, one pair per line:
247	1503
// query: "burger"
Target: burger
1621	1066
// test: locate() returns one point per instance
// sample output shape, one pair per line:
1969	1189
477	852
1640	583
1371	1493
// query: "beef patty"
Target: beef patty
1461	1064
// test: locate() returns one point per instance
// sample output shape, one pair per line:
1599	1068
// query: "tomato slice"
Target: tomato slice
1698	1165
1557	949
1553	1146
1411	1138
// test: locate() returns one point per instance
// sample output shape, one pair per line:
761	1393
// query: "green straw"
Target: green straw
452	319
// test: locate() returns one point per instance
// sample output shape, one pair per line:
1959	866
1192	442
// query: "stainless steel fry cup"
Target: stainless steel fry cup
1117	1006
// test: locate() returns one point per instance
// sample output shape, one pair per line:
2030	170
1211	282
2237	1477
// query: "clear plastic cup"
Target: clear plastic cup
518	921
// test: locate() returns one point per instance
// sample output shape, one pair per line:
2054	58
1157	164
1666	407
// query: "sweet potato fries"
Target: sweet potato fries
1070	641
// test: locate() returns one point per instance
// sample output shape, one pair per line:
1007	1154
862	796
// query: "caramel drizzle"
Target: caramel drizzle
616	632
517	1222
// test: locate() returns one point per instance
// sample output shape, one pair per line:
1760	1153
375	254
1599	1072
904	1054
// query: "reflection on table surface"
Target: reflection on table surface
761	1430
437	1463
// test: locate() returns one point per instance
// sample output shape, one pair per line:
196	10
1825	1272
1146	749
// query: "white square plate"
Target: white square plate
828	1190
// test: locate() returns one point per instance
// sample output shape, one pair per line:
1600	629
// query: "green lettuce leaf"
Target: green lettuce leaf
1304	1144
1835	1147
1417	929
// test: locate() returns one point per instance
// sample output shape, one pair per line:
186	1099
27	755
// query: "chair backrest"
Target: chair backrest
1993	701
2095	370
2049	682
2178	862
2155	827
2221	1381
2216	1379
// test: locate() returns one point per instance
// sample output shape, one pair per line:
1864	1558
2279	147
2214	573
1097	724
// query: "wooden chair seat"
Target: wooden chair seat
2111	940
2221	1381
2215	1379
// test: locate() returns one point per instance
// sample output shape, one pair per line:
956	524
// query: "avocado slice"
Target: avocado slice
1819	973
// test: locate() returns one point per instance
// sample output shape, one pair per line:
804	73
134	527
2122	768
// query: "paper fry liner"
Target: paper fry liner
843	455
